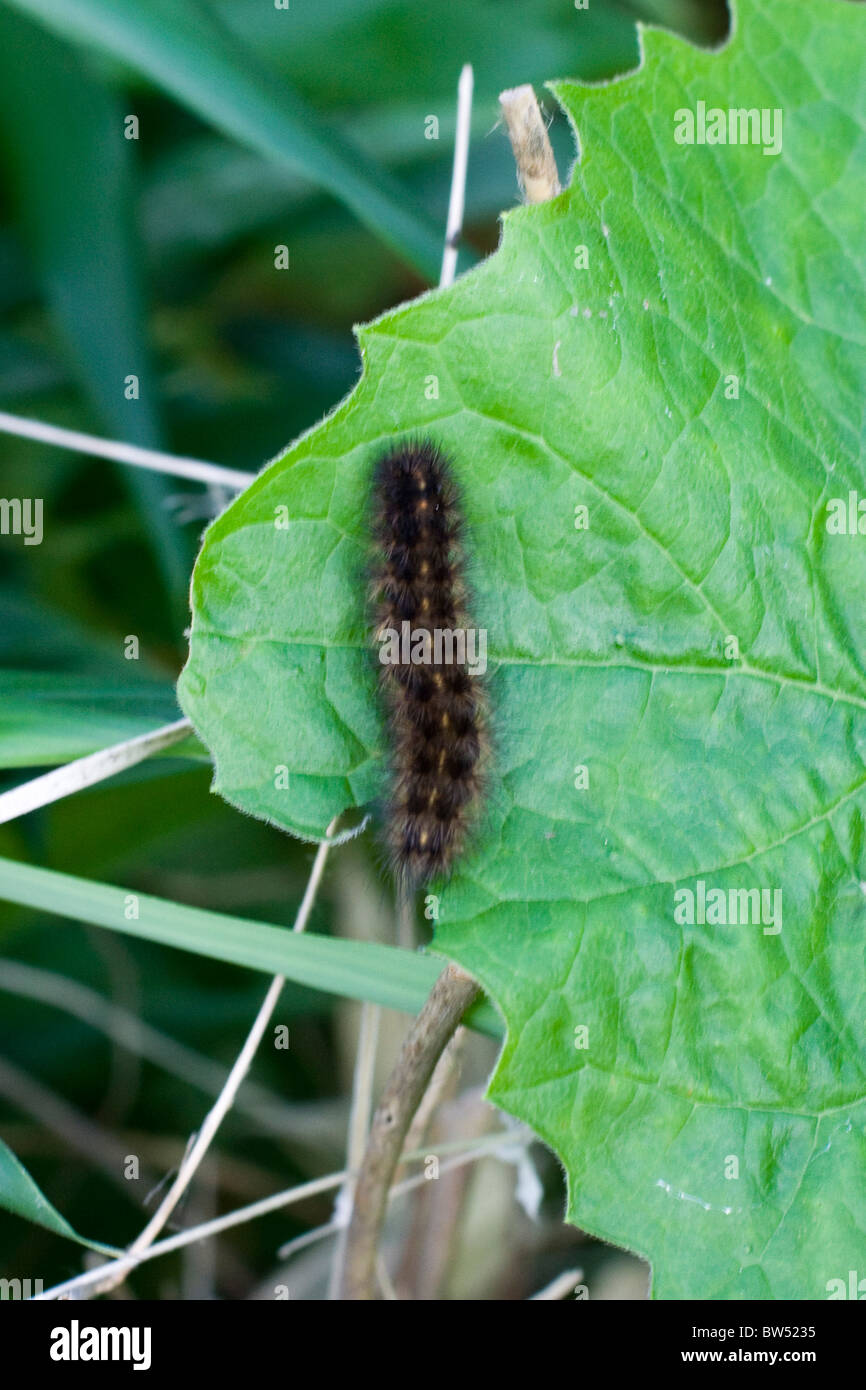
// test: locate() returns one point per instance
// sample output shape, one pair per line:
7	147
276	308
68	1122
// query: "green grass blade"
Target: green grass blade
20	1195
69	170
46	720
184	49
354	969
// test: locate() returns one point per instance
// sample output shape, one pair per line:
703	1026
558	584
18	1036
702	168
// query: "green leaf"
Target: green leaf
46	720
20	1195
698	649
355	969
181	46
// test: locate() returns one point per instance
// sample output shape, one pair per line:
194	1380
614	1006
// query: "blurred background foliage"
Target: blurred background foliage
257	127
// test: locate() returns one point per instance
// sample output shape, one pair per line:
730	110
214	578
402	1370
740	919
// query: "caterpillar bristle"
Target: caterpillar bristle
436	708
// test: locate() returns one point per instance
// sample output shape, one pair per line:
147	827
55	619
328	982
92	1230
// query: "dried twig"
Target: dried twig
559	1288
536	166
449	999
131	454
89	770
457	199
117	1273
359	1124
92	1278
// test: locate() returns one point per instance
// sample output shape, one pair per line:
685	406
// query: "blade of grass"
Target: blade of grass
20	1194
68	165
183	48
354	969
48	719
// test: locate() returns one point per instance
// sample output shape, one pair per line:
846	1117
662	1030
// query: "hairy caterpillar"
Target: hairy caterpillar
429	662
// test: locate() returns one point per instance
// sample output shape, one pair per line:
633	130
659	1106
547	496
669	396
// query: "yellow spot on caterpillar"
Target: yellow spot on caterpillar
422	838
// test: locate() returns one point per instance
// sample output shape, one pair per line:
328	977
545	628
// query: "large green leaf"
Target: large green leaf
715	1120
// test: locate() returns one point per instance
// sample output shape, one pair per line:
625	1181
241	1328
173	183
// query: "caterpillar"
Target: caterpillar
431	663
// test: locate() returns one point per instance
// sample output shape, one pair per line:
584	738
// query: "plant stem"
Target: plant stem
449	999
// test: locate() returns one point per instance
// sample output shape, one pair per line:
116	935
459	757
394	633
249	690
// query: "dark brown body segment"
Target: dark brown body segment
436	712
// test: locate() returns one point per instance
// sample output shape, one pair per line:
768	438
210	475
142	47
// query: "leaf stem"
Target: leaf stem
449	999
